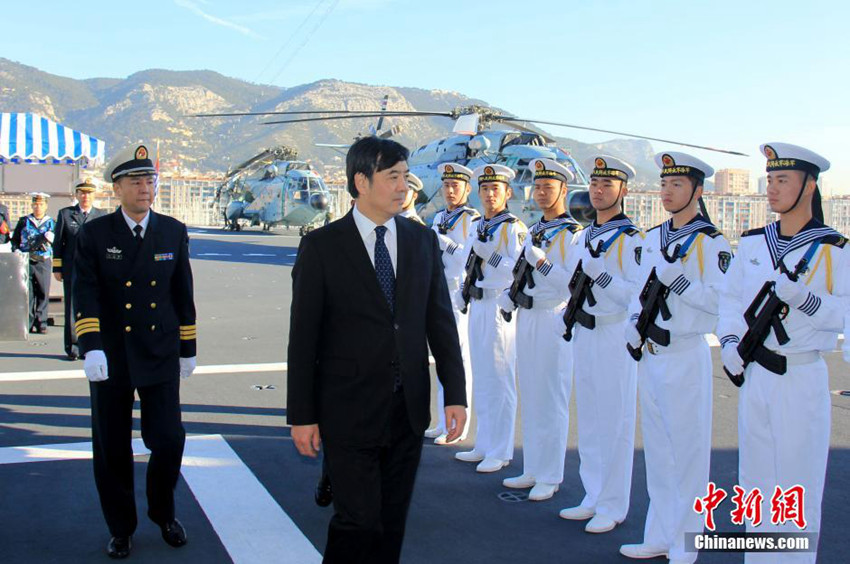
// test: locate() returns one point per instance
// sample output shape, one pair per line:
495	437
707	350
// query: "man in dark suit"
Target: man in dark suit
369	297
135	324
67	225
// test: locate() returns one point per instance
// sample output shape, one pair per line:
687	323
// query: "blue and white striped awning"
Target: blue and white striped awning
31	138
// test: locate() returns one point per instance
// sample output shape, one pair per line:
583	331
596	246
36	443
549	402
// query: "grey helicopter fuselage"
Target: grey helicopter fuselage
287	193
506	147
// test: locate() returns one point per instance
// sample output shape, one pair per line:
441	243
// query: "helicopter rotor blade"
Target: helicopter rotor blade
509	119
372	115
365	113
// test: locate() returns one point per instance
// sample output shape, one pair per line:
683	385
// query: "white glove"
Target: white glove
444	240
484	250
632	336
17	252
95	366
534	255
505	303
732	361
457	300
187	366
593	267
790	292
668	273
49	236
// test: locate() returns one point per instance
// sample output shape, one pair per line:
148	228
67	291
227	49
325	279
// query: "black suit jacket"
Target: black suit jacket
345	344
135	302
65	240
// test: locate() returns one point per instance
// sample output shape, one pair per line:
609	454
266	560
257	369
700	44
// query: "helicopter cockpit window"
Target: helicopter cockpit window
298	189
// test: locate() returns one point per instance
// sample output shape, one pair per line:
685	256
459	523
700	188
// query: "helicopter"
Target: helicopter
480	135
274	188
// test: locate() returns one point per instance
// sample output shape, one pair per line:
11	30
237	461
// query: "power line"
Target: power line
306	39
289	40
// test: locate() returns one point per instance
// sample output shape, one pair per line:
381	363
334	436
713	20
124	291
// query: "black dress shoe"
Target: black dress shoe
72	355
324	495
174	534
119	547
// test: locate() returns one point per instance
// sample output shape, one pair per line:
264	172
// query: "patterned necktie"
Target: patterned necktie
384	267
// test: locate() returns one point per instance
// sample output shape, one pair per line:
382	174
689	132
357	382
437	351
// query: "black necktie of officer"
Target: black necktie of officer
138	231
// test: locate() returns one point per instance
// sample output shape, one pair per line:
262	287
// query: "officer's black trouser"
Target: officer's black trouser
69	312
163	434
40	274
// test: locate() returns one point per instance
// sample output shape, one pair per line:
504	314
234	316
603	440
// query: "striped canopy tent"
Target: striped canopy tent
31	138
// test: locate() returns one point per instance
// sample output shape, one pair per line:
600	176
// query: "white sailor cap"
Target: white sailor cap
454	171
132	161
413	182
36	196
785	156
547	168
673	163
493	173
606	166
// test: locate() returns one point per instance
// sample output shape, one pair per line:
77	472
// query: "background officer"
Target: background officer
68	223
135	323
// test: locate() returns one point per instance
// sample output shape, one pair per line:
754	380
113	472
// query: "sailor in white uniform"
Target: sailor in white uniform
408	209
453	225
494	247
784	416
605	374
543	358
690	257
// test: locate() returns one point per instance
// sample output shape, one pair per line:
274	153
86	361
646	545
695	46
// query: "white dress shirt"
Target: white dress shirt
132	223
366	227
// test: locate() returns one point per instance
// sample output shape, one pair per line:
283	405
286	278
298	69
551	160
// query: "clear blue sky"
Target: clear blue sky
722	73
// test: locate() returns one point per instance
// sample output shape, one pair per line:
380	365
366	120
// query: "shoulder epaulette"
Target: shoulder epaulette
755	231
835	240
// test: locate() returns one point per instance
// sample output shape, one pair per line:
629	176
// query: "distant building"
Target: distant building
189	198
762	186
836	212
732	181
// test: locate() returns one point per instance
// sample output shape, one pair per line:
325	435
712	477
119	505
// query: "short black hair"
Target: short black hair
370	155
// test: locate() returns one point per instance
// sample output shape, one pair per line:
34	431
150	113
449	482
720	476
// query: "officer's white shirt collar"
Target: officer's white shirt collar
132	223
366	228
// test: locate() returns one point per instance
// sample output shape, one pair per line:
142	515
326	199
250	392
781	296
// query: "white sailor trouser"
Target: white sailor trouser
462	321
493	354
783	438
606	401
675	401
544	372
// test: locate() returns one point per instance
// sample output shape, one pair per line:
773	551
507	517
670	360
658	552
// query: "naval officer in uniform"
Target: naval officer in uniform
135	323
690	257
544	361
605	374
408	209
784	416
34	235
453	225
68	224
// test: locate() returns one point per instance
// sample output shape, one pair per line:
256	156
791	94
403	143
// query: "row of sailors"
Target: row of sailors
509	336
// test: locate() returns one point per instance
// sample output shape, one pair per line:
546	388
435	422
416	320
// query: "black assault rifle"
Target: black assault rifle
474	274
765	313
523	278
580	293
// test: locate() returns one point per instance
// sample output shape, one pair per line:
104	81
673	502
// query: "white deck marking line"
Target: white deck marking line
211	369
249	522
251	525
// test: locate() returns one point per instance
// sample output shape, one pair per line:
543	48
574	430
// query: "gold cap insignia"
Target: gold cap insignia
141	153
668	160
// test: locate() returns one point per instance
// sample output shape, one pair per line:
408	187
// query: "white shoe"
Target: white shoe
600	524
519	482
440	440
642	551
542	491
491	465
433	433
469	456
577	513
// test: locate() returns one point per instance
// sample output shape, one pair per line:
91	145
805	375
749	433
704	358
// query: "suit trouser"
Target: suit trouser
545	375
163	435
462	321
492	348
783	433
70	341
372	487
606	402
675	402
40	273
